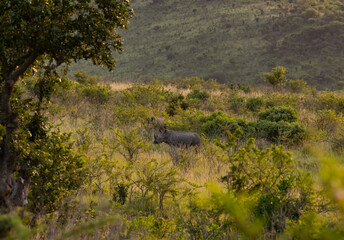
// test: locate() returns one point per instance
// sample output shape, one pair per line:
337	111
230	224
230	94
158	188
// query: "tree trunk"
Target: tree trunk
13	192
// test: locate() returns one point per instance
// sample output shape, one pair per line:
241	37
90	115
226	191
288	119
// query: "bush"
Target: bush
216	124
186	121
12	227
194	82
128	143
237	103
298	85
276	76
176	103
254	103
82	78
278	114
197	94
282	194
328	120
57	171
281	132
152	94
220	215
96	94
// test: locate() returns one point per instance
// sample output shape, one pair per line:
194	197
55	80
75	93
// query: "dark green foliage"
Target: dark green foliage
96	94
281	204
198	94
37	127
278	114
46	85
264	195
187	121
204	223
12	227
33	29
120	193
57	171
237	103
216	124
280	132
254	103
83	78
176	103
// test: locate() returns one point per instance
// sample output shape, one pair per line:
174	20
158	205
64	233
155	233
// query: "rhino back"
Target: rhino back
187	138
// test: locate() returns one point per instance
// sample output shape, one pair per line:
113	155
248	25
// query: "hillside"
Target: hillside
232	41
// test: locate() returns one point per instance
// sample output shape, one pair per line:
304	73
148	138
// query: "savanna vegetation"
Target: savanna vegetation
77	152
270	163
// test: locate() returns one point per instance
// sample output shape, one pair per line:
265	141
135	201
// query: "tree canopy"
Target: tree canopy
43	34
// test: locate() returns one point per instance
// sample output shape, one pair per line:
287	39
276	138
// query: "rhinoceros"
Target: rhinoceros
177	138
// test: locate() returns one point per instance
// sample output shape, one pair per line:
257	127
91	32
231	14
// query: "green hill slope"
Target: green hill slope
233	40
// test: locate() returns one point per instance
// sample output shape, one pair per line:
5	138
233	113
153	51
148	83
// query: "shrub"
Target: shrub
187	121
298	85
254	103
282	194
175	104
96	94
194	82
220	215
276	76
197	94
58	171
281	132
152	94
12	227
216	124
128	143
278	114
237	103
328	120
82	78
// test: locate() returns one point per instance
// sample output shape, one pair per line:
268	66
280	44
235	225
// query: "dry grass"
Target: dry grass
205	166
119	86
174	89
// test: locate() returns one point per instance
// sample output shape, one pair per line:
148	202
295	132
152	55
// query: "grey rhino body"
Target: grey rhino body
177	138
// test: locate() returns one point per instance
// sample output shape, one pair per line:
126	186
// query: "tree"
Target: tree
276	76
43	34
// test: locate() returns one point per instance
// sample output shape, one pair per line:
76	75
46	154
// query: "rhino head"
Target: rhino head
161	136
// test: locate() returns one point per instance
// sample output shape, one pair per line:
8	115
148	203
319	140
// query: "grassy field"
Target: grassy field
270	163
232	41
137	189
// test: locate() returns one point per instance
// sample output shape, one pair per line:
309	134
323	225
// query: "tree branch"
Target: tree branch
12	78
